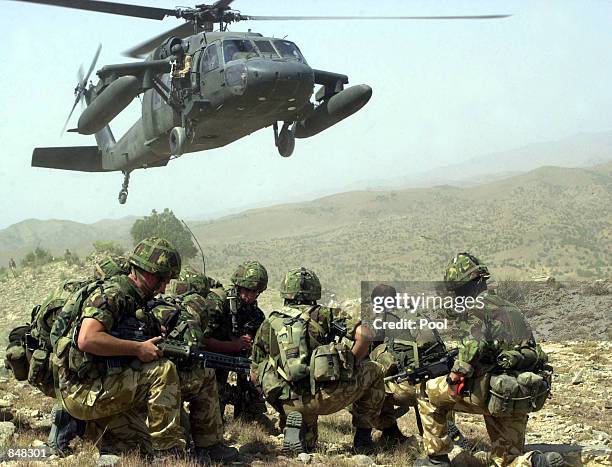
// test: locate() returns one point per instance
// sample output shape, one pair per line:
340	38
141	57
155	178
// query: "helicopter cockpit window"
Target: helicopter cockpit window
266	49
210	59
236	49
288	49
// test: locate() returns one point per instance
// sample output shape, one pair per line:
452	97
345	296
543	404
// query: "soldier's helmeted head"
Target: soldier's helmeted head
383	291
465	269
250	279
196	281
159	258
300	285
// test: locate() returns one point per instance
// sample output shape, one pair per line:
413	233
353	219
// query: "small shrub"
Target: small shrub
39	257
108	247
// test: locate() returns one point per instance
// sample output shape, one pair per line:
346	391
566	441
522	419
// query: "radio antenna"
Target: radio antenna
199	247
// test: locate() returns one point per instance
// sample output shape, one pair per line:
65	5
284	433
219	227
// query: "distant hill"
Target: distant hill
57	235
552	219
582	150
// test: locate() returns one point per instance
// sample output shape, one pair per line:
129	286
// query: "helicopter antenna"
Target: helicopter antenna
199	246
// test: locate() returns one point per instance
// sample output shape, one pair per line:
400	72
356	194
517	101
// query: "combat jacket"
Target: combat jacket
220	325
187	316
487	331
113	300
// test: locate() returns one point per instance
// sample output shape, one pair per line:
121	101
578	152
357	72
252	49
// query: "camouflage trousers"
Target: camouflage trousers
365	395
199	391
402	395
130	408
507	434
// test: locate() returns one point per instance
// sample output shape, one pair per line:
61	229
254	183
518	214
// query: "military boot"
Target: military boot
216	453
64	428
362	441
392	436
293	440
549	459
433	461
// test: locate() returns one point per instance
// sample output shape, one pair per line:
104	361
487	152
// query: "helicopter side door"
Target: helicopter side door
211	73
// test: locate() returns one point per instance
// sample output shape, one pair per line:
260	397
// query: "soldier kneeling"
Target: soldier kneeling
305	372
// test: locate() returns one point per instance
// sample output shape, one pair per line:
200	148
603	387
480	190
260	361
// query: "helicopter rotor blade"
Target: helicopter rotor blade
316	18
82	85
114	8
182	31
92	66
222	4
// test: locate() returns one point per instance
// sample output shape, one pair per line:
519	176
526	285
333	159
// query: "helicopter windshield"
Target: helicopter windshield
235	49
288	49
266	49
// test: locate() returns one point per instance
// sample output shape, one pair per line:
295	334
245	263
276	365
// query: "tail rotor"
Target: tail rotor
81	87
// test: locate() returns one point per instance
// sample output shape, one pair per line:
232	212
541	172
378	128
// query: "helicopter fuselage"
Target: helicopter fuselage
223	99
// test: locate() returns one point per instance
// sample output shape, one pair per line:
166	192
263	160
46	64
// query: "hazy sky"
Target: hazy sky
442	92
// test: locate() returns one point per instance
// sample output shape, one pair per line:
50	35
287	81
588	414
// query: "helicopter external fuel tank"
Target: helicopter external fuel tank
330	112
108	104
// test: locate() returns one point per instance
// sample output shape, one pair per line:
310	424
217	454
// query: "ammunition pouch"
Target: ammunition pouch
331	363
526	392
40	374
16	358
272	385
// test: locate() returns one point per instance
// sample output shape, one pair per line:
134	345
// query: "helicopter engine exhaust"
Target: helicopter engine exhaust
338	107
108	104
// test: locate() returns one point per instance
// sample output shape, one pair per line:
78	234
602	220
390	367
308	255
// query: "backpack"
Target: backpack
303	355
30	346
63	327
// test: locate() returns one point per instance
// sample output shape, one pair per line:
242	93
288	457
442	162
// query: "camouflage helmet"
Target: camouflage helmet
251	275
196	280
301	284
110	266
464	268
157	256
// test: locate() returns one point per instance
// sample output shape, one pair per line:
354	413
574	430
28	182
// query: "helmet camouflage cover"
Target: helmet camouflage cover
157	256
301	284
251	275
111	265
195	280
464	268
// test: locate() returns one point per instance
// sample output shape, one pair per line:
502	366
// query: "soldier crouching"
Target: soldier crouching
126	403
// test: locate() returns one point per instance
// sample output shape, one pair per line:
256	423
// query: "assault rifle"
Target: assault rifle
429	370
132	329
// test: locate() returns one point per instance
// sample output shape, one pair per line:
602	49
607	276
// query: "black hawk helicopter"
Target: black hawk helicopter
202	89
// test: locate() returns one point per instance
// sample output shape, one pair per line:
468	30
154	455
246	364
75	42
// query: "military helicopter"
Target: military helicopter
202	89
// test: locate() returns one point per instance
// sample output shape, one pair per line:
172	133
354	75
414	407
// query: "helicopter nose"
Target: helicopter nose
279	80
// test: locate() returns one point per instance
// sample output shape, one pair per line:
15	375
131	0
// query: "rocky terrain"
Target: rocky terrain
573	321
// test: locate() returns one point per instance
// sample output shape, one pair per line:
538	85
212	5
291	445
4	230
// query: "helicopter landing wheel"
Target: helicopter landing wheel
285	143
123	193
178	138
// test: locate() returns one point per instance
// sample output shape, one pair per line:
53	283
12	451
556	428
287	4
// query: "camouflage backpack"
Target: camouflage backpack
306	355
38	340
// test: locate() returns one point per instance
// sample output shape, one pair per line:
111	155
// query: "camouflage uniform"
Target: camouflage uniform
486	330
398	350
198	385
229	317
365	390
129	404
